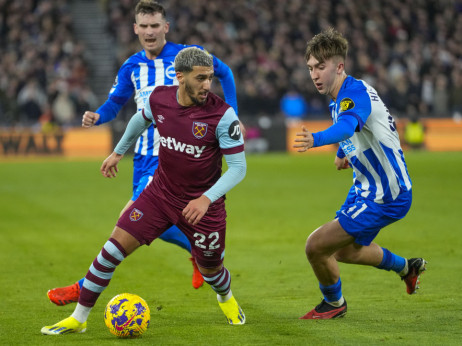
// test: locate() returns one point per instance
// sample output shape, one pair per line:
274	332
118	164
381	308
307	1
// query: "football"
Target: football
127	315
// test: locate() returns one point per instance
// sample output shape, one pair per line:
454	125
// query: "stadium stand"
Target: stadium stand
410	50
43	68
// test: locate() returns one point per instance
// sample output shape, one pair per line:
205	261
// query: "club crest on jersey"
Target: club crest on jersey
199	129
136	215
346	104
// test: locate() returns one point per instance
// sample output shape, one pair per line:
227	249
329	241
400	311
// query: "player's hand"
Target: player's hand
305	140
341	163
89	119
196	209
109	167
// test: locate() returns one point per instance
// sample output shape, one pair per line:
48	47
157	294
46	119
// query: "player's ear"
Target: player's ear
340	66
180	77
166	27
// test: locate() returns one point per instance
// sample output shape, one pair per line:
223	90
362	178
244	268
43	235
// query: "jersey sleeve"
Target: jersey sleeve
120	93
340	131
226	78
356	103
228	133
237	168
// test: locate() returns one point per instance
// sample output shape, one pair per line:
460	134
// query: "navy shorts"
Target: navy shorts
363	219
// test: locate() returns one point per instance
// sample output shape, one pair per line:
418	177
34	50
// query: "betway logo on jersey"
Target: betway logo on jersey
174	144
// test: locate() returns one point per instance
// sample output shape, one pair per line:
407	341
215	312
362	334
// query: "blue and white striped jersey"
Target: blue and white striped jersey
374	151
141	75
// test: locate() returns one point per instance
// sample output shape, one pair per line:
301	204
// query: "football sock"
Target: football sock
81	313
390	261
100	273
332	293
220	282
223	299
337	303
175	236
405	270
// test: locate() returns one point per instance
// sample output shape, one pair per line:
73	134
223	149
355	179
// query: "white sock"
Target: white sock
81	313
405	270
338	303
223	299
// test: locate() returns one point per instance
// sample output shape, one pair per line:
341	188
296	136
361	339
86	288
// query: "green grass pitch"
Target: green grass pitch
55	215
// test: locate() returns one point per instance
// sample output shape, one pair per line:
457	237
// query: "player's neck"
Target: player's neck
153	54
183	99
338	86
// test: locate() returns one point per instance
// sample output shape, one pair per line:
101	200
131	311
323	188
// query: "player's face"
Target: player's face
151	30
197	84
326	75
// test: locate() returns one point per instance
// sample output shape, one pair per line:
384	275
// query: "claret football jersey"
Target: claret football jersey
192	141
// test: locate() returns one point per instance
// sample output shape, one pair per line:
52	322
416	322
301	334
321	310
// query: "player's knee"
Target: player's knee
312	249
209	271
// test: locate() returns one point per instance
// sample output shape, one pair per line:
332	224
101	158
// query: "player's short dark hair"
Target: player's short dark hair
189	57
327	44
149	7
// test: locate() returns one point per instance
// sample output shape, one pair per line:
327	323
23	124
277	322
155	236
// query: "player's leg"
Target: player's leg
114	251
208	240
364	226
219	278
139	225
321	247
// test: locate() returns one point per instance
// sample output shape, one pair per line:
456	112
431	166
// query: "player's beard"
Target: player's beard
190	92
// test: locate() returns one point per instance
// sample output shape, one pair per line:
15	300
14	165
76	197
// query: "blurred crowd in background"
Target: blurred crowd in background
43	73
409	50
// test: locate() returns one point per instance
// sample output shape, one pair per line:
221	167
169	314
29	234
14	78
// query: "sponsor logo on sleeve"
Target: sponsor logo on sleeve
199	129
136	214
346	104
234	130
